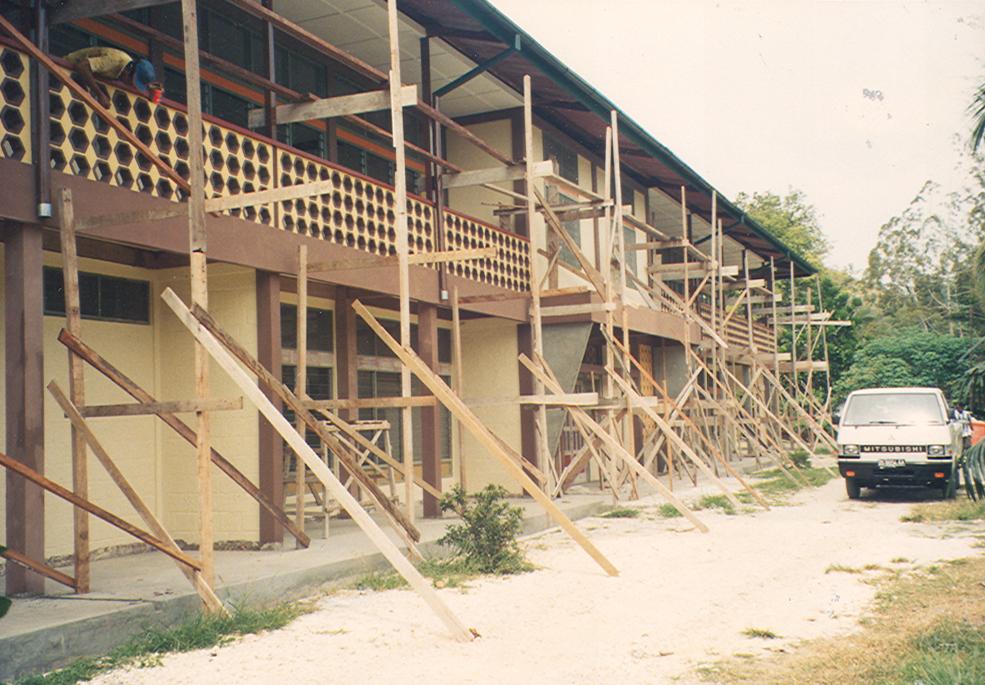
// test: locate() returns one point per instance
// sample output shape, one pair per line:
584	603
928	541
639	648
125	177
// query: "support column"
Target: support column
346	365
427	341
271	446
528	436
24	358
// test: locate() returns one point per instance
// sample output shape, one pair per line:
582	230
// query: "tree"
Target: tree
977	110
911	357
790	218
922	270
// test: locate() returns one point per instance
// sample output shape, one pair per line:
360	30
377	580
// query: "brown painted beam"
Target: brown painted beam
427	342
24	386
38	567
271	446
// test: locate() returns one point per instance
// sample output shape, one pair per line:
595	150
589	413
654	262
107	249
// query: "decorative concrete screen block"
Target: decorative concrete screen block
510	269
358	213
83	145
15	106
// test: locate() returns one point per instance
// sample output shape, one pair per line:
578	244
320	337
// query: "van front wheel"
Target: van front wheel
853	489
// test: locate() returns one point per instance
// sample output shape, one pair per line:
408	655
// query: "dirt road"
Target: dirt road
682	599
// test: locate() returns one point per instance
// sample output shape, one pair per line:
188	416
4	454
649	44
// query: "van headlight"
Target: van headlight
938	451
848	450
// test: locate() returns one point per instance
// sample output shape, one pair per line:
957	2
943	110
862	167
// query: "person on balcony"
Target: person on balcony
111	63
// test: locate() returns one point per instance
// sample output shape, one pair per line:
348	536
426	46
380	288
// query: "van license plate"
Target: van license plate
891	463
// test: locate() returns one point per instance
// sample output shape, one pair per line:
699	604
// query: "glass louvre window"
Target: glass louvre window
444	346
374	384
300	73
369	344
226	106
318	386
320	328
104	298
567	160
230	35
65	38
305	138
573	228
629	239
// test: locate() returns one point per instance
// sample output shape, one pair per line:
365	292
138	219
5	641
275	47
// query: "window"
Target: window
628	196
225	105
318	386
304	138
104	298
296	71
232	35
573	228
374	384
629	239
567	160
65	38
320	328
369	344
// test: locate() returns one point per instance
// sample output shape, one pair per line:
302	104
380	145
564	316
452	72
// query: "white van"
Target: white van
898	436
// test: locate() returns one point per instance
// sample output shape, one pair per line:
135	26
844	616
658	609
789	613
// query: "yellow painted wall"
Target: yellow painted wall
232	301
490	370
466	155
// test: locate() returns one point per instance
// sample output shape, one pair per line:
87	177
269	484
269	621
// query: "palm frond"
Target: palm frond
977	109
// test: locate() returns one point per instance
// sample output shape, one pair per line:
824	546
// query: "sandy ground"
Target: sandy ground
682	599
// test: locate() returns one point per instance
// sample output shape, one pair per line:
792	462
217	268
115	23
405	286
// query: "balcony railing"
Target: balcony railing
358	212
737	331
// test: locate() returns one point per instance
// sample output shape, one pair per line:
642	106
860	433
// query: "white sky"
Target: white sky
769	94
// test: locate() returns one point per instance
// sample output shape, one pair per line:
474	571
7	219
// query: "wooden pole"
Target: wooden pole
301	448
543	455
199	280
208	597
128	386
458	382
400	188
76	371
70	497
301	378
487	438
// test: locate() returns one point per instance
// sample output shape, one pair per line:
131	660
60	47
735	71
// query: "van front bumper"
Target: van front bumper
870	474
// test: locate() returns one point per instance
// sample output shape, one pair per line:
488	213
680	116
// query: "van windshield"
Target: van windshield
902	409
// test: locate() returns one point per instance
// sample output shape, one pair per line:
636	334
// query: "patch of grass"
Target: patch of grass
147	648
717	502
925	627
621	513
775	486
961	509
668	511
454	572
760	633
899	560
379	581
841	568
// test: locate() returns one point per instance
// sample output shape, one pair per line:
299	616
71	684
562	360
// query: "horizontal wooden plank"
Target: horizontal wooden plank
176	407
501	174
337	106
577	309
260	197
371	403
418	259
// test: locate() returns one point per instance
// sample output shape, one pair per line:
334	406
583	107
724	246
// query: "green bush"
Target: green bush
485	540
800	459
4	601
